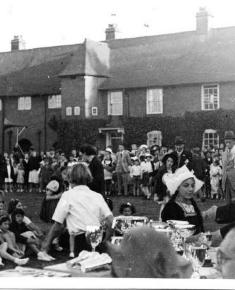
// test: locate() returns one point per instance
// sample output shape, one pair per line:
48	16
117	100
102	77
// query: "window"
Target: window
154	137
115	103
76	111
210	97
154	101
68	111
54	102
24	103
210	137
94	111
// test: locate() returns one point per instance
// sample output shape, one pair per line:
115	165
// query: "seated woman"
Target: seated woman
145	253
8	247
23	236
182	185
16	204
181	206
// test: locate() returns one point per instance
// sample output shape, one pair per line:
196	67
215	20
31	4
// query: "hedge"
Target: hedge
73	133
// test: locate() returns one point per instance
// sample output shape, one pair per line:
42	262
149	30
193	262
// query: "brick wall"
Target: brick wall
176	100
34	119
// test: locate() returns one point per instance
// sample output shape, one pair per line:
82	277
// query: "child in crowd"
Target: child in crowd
135	174
109	167
11	253
20	176
45	174
26	237
216	176
9	176
127	209
146	171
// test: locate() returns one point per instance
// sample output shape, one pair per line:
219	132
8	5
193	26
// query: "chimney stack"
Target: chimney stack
17	43
202	21
110	32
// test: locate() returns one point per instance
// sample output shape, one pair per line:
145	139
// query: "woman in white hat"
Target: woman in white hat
181	186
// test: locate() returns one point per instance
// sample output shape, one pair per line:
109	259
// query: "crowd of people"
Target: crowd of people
137	171
77	192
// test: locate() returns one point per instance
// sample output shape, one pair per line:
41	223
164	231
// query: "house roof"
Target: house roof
39	71
172	59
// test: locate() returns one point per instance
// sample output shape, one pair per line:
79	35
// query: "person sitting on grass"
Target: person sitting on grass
127	209
16	204
9	249
22	235
5	253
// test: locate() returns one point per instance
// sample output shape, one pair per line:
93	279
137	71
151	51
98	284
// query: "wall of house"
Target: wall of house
73	92
34	119
176	100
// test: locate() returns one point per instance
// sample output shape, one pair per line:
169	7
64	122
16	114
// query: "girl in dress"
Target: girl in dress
216	176
20	176
9	176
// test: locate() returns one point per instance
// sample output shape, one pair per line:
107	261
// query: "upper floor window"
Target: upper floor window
115	103
210	97
24	103
154	101
54	102
210	137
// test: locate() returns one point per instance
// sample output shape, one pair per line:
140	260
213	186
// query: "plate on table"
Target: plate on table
178	222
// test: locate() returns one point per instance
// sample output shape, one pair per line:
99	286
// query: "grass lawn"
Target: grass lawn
32	202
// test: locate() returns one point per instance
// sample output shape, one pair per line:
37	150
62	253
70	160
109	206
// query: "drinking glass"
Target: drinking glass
198	257
94	235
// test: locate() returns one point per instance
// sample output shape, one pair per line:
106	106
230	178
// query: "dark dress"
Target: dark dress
175	211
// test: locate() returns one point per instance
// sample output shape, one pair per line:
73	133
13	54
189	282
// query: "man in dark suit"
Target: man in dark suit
89	155
183	157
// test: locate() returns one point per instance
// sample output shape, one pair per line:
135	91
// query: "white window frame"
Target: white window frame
68	111
24	103
77	111
115	107
54	102
210	137
208	102
94	111
154	101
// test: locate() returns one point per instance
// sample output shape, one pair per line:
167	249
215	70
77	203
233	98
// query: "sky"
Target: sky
59	22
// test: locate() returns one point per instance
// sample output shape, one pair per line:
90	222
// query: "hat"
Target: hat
146	253
53	186
148	155
179	140
169	155
143	146
109	150
229	135
173	181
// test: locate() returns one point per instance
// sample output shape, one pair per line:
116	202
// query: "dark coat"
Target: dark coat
97	172
185	155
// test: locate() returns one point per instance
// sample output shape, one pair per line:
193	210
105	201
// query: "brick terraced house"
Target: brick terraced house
151	76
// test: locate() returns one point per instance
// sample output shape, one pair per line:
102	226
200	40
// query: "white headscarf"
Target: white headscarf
174	180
